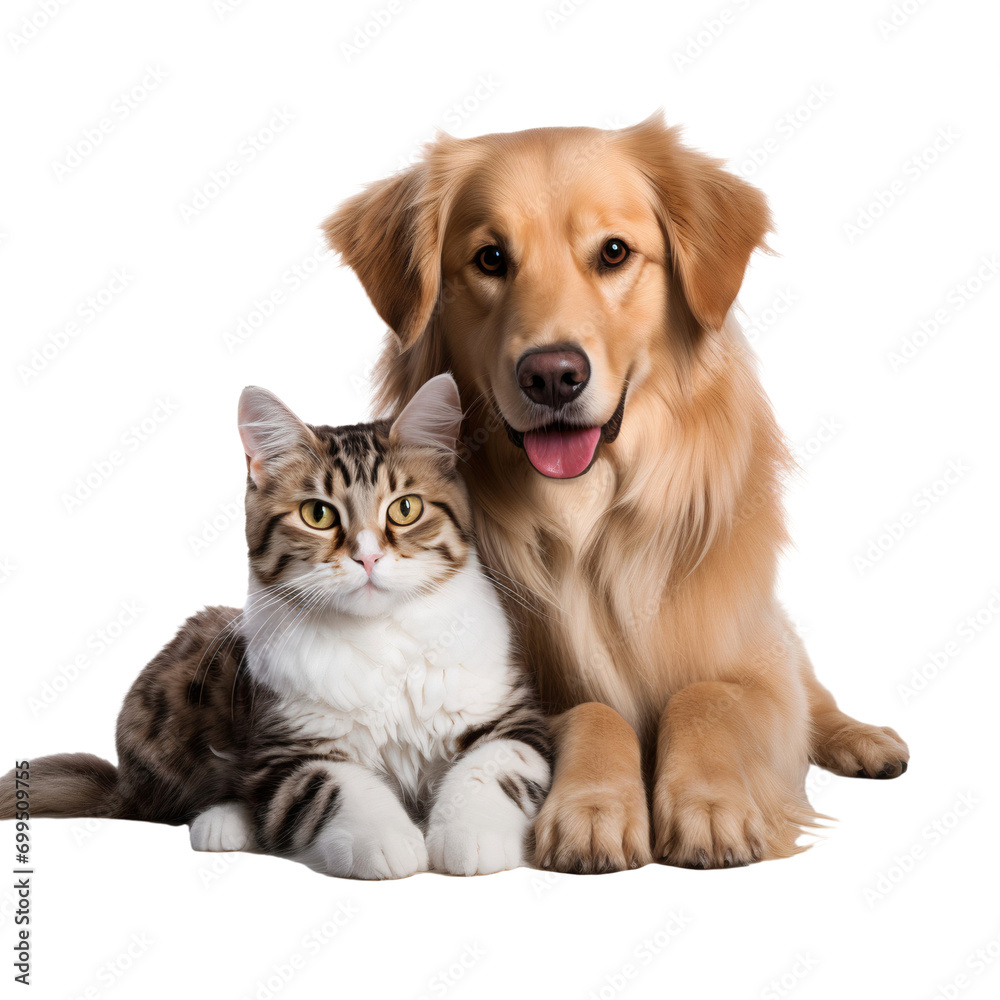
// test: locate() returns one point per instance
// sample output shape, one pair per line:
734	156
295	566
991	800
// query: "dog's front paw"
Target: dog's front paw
226	826
857	750
721	825
592	829
480	840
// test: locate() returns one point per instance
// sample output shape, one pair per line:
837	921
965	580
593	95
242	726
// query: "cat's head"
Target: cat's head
358	518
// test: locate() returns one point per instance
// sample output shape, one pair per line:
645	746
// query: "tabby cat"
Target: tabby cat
363	714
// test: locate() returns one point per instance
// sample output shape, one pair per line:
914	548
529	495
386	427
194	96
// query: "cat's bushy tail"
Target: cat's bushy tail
64	785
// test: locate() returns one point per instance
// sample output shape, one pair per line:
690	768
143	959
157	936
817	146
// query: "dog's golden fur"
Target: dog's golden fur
643	590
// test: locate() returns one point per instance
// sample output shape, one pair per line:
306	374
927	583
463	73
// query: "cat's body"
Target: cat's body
363	714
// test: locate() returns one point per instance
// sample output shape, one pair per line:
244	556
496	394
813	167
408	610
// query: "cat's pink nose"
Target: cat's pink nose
366	550
368	560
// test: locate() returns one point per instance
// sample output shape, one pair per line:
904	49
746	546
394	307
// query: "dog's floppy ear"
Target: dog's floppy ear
390	235
713	220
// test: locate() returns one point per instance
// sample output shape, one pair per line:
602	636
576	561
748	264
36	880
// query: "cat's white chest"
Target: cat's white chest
394	693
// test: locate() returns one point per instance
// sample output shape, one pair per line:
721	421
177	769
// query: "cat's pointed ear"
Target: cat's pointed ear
268	430
432	419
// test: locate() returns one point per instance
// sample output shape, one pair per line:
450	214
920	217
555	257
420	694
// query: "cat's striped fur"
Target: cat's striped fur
363	713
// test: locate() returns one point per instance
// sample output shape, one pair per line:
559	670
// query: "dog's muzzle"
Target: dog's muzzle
562	451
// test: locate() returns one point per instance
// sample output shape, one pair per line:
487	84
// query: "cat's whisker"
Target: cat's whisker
218	643
287	627
534	608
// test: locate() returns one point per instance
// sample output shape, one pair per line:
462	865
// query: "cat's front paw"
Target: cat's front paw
478	841
226	826
374	848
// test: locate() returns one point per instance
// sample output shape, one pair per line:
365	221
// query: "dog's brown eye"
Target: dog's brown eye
614	252
490	260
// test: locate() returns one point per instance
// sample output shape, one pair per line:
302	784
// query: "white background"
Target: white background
901	893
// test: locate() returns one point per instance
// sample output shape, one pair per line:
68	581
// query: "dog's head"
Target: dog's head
552	270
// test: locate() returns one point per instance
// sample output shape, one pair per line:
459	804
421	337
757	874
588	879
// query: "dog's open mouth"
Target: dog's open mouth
562	451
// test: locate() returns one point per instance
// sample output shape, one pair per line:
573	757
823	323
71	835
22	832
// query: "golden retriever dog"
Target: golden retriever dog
626	468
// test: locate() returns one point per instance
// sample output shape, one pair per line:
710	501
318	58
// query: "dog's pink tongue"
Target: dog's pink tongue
561	454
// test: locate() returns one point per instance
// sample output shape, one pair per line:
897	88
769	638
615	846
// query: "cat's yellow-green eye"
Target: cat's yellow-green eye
318	514
405	510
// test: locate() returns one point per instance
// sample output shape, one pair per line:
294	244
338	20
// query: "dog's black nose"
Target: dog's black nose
552	376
